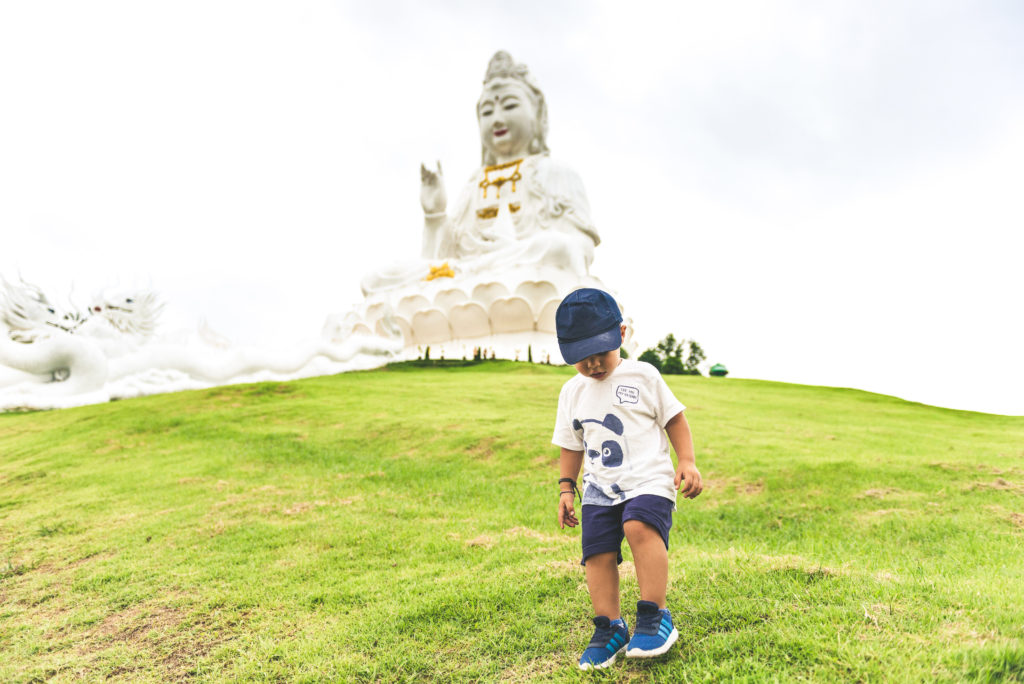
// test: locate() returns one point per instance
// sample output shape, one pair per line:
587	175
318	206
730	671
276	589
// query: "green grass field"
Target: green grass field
399	525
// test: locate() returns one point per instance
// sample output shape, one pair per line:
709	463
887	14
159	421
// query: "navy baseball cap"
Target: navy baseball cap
587	322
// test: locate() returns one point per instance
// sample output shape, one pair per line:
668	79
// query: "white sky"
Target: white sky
818	194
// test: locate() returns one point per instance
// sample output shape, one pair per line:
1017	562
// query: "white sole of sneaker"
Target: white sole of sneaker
607	663
637	653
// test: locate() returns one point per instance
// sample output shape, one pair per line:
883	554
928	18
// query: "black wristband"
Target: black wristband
572	483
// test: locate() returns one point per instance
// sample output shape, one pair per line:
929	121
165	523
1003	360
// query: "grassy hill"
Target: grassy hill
399	525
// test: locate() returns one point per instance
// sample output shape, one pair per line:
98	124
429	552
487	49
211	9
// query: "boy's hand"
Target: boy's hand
566	511
688	472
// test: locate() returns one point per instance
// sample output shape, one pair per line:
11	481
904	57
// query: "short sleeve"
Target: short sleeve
667	406
565	436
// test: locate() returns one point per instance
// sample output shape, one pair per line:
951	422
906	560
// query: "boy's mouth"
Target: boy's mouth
501	132
598	376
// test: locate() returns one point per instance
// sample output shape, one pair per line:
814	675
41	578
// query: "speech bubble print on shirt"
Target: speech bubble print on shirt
627	394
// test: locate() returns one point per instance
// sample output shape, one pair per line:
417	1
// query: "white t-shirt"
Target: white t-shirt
618	423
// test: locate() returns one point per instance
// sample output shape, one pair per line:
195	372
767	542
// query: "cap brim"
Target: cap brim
574	352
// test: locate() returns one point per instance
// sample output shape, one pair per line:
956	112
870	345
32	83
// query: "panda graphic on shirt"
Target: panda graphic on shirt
603	443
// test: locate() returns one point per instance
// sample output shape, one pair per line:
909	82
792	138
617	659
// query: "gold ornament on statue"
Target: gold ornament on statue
442	271
498	181
491	212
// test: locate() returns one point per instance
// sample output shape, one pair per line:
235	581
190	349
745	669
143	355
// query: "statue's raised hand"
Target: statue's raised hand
432	195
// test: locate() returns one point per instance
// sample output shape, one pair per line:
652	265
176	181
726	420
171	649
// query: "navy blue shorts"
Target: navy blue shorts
602	525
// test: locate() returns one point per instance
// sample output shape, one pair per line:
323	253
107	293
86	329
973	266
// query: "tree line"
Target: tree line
675	357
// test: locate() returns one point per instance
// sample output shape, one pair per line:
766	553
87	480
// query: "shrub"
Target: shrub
667	356
651	357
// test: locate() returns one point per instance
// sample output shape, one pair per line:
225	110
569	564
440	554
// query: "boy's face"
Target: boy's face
600	366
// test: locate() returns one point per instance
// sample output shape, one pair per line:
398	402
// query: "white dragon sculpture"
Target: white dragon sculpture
54	357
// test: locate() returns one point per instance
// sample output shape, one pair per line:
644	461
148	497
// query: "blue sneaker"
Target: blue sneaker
609	640
654	633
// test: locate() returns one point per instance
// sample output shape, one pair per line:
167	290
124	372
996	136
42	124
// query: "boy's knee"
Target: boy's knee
638	529
603	559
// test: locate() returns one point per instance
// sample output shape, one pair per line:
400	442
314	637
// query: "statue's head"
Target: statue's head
511	111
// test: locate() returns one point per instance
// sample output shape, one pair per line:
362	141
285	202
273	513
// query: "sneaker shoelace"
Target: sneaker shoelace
602	635
648	623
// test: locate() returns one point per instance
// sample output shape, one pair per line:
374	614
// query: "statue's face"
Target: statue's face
507	120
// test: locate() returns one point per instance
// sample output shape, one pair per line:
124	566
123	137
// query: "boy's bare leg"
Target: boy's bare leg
650	558
603	583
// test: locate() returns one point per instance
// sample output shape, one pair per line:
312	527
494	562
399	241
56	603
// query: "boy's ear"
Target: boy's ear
612	422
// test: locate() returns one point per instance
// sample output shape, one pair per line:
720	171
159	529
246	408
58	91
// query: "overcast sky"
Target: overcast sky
825	193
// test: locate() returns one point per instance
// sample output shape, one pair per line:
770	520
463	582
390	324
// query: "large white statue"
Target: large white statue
50	358
519	208
493	269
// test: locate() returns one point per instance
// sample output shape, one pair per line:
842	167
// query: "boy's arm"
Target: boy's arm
678	431
569	464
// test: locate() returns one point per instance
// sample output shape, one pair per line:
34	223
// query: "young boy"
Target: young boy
613	418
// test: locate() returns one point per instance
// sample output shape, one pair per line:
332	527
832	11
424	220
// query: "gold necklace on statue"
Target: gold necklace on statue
501	180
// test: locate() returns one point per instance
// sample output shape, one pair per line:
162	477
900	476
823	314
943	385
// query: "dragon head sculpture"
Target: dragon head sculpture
27	313
133	313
